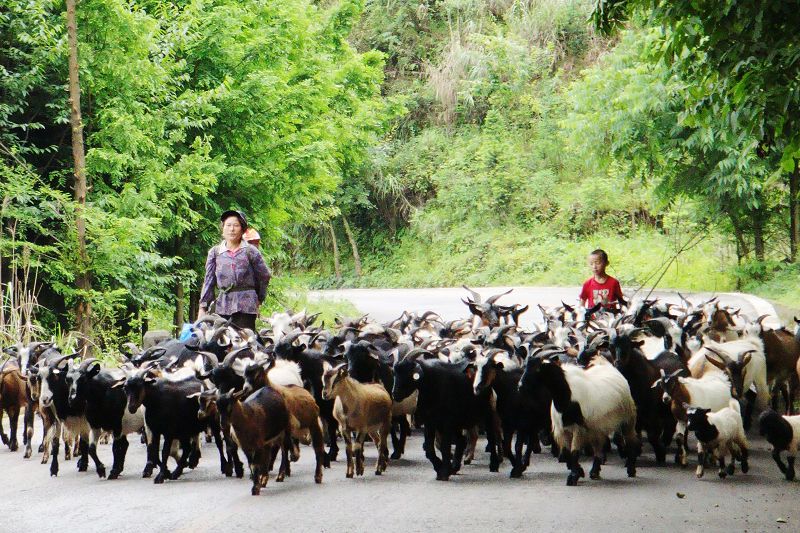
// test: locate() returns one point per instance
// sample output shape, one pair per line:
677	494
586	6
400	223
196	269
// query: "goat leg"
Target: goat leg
13	421
458	456
100	468
701	461
319	450
722	470
152	455
119	448
163	472
430	449
789	469
443	474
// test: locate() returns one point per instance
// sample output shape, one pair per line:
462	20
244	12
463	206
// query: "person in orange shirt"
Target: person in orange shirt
601	288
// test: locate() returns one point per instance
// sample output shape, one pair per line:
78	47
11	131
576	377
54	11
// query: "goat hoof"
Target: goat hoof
396	454
159	479
53	471
572	480
256	490
349	475
730	470
41	448
101	472
28	453
279	478
148	471
467	461
631	472
722	474
594	475
442	477
13	446
515	474
378	472
318	479
114	474
746	466
175	475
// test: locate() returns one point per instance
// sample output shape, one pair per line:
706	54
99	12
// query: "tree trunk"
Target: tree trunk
353	245
758	235
742	249
83	308
336	264
794	216
194	304
179	296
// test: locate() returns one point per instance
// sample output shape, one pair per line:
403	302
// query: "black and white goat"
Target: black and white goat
588	405
719	433
783	432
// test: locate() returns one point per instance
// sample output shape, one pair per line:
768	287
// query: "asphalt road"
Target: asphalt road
387	304
406	498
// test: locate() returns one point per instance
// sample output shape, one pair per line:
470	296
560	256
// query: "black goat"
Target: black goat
446	406
525	415
169	413
105	403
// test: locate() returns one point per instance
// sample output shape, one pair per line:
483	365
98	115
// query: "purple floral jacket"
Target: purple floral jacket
245	269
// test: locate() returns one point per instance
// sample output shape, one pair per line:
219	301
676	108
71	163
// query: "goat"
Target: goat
447	406
170	413
312	367
519	413
365	363
93	387
260	423
712	391
363	408
71	415
12	400
641	373
783	432
719	433
303	411
588	405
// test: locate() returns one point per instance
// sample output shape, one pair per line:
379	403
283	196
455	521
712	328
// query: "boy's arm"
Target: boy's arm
584	296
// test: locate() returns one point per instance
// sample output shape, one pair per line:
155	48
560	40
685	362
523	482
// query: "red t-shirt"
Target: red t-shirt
609	293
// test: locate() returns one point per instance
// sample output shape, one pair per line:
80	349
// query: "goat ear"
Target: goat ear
638	344
746	359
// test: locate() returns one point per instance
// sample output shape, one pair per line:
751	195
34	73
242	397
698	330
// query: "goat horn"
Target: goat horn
86	363
475	296
492	299
415	353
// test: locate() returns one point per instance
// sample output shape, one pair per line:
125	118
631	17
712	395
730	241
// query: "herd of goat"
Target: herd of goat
586	381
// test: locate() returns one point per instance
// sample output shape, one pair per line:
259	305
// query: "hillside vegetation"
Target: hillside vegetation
531	140
399	143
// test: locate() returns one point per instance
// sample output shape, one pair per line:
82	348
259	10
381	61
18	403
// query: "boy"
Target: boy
601	288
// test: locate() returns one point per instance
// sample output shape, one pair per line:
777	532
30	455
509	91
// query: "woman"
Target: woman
239	273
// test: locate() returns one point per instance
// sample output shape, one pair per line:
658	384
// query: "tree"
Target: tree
741	63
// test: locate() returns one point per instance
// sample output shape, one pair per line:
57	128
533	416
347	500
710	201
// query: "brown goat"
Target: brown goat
303	414
12	398
782	351
363	408
260	424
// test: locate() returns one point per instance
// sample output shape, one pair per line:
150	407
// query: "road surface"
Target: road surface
407	498
387	304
